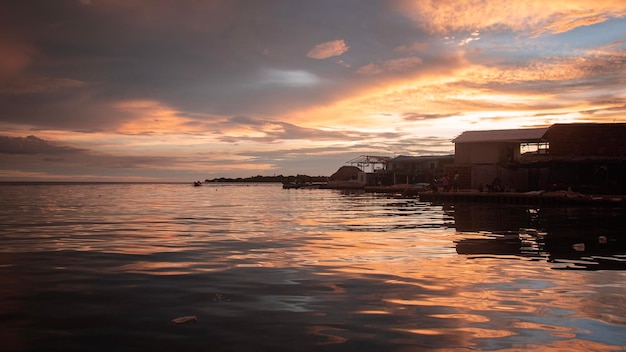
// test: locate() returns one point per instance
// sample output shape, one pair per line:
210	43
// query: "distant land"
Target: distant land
279	178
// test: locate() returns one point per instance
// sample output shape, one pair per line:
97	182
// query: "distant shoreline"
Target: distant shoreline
252	179
89	182
271	179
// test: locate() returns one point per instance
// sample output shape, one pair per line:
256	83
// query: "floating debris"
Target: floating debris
189	319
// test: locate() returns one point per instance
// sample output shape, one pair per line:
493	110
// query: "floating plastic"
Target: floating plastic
189	319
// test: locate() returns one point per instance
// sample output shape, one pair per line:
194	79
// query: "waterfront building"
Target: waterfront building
583	157
418	169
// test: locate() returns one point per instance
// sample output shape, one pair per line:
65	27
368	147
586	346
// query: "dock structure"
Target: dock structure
588	158
527	198
376	162
401	189
577	163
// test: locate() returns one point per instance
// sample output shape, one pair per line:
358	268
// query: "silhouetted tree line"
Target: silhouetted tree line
279	178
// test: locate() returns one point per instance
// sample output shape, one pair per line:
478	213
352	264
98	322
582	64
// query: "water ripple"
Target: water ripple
107	266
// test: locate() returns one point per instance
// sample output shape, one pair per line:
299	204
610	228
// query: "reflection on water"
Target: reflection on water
107	266
578	237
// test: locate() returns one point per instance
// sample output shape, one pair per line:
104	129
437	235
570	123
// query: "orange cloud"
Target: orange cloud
151	117
609	50
534	16
462	96
572	21
328	49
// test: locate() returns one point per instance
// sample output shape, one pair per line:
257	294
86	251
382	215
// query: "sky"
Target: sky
182	90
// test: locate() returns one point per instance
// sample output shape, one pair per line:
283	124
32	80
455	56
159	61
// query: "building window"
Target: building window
535	148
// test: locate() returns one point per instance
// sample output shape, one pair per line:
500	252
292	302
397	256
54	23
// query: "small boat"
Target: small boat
197	184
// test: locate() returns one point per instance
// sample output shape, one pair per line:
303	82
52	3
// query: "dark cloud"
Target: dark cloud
32	145
34	149
409	145
69	110
415	116
291	131
196	57
277	131
246	120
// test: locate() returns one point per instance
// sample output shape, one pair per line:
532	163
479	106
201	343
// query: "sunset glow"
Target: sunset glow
180	91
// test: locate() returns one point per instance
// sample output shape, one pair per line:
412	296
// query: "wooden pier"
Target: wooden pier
529	198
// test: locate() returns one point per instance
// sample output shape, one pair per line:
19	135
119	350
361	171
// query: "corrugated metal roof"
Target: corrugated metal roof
408	158
520	135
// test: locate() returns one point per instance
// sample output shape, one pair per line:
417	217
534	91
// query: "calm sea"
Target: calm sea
106	267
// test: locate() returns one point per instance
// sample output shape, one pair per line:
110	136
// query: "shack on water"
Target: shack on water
583	157
386	171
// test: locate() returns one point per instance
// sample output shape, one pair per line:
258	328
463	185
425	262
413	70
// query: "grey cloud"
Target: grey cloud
618	108
397	66
246	120
196	57
275	131
32	145
415	116
288	78
411	145
71	110
38	149
288	131
291	131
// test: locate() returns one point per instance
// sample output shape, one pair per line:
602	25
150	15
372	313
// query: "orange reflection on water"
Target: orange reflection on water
157	268
475	333
479	333
420	285
422	331
560	331
466	317
572	345
328	334
381	312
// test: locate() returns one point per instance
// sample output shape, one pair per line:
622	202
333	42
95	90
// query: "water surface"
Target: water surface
107	266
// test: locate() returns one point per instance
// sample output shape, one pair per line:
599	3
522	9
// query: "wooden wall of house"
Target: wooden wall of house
581	140
486	153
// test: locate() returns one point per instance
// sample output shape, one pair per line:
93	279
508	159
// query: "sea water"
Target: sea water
107	267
